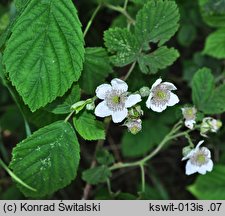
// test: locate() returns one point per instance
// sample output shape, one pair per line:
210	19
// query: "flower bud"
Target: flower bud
78	106
210	124
189	114
135	112
144	91
134	126
90	106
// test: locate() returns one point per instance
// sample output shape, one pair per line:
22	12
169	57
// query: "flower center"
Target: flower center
189	114
161	95
115	99
200	158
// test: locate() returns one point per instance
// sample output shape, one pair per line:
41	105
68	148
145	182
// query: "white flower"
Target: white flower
161	96
115	100
210	124
189	114
199	160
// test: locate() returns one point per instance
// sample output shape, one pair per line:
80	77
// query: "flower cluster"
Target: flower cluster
208	124
123	105
117	100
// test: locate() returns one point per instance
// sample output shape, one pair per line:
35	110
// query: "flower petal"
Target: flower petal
101	90
148	102
199	143
190	168
206	150
119	84
157	108
209	166
170	85
202	170
157	82
189	123
132	100
173	99
102	110
119	116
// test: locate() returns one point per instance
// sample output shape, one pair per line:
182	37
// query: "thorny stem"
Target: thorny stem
122	11
170	136
91	20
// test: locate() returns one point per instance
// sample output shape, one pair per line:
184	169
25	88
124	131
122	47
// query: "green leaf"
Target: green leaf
151	135
88	127
122	44
187	34
2	76
96	175
202	90
104	157
216	103
157	22
47	160
215	44
157	60
63	104
205	96
96	68
211	185
21	4
45	52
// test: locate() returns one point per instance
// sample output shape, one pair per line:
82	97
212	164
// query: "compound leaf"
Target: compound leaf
157	22
122	44
157	60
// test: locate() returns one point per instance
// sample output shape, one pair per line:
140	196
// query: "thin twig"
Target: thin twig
91	20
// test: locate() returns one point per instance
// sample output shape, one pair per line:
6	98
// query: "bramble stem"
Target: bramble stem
142	162
17	179
91	20
125	4
69	116
122	11
142	178
130	71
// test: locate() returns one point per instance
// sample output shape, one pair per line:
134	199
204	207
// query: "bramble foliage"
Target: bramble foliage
91	88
